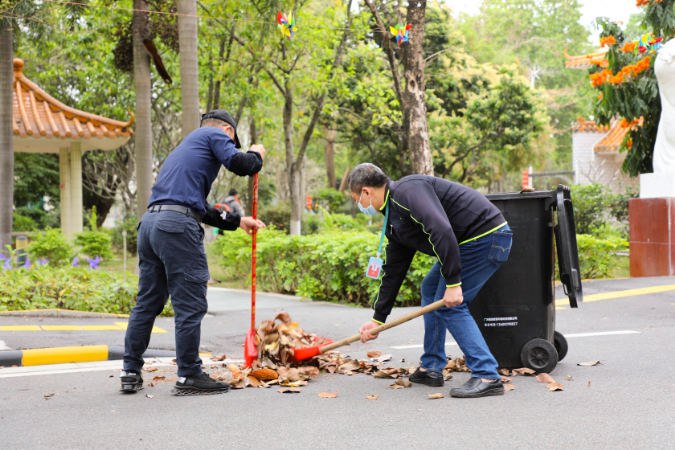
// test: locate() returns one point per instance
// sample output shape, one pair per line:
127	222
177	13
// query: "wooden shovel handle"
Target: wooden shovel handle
405	318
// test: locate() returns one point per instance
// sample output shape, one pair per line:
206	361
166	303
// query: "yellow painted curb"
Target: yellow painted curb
19	328
62	355
57	311
620	294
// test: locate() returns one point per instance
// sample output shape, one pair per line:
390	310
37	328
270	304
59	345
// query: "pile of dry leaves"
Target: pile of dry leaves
276	365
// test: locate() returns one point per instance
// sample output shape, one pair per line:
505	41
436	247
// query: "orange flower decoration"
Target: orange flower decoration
628	47
600	96
609	40
629	143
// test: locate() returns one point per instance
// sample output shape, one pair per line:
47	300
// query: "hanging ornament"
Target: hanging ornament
286	24
400	32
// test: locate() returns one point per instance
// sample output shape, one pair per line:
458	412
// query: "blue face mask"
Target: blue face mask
369	211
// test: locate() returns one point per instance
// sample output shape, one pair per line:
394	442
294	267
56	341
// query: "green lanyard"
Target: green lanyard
384	229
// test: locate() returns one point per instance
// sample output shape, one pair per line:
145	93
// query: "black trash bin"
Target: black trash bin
515	310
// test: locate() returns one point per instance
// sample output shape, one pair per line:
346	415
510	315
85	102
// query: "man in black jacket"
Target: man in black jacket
171	253
470	238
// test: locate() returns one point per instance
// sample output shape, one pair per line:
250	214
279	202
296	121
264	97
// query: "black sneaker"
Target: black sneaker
475	388
427	377
131	381
200	384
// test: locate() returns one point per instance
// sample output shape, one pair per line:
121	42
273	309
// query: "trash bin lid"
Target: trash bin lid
566	246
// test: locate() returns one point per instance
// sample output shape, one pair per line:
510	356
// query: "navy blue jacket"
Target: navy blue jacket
434	216
187	173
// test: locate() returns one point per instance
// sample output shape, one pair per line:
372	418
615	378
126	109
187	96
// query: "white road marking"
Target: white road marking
600	333
55	369
3	346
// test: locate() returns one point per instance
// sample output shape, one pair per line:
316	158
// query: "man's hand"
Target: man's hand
365	331
453	296
248	224
259	149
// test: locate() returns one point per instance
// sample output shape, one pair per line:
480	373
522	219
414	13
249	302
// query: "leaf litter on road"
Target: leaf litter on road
555	386
589	364
435	396
509	387
372	397
545	378
328	394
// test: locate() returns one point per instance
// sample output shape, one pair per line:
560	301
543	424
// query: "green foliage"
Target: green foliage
36	175
23	223
71	288
39	216
333	198
636	96
94	242
129	225
51	245
596	256
328	266
277	215
598	212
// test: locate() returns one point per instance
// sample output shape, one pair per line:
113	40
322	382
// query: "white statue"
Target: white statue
664	149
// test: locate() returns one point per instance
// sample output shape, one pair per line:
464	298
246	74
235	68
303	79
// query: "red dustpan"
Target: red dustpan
250	349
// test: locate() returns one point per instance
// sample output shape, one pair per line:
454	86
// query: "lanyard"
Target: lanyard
384	229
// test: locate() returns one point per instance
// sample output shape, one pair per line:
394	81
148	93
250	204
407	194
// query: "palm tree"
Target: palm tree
6	134
189	70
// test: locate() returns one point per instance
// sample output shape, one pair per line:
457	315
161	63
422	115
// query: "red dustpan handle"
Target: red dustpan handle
253	255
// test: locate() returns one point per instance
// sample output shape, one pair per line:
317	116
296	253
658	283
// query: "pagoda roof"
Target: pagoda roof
583	62
615	134
43	124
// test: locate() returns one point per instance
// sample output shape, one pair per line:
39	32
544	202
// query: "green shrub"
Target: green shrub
94	242
277	215
333	198
597	256
129	225
72	288
23	223
329	266
51	245
40	217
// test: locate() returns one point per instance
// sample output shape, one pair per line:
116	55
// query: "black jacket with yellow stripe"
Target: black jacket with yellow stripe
433	216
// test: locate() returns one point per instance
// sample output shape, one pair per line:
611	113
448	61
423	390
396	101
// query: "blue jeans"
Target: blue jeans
480	259
172	262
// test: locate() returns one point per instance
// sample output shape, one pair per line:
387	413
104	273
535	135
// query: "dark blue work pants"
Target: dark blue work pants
172	262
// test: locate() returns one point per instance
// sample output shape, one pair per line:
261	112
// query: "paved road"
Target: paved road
628	403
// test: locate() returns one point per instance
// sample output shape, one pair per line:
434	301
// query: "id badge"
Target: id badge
374	268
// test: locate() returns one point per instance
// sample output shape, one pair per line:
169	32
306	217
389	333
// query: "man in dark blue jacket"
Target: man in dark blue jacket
171	253
470	238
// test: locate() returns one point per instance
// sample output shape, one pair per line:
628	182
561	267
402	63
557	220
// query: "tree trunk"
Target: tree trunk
415	112
254	140
329	156
189	70
291	166
6	138
143	87
216	87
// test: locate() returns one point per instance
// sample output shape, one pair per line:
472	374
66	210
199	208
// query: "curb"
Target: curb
60	313
62	355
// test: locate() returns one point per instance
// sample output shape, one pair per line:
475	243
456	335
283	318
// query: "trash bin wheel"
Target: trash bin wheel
539	355
560	345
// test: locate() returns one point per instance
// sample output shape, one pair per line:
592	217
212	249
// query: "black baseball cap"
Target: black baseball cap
225	116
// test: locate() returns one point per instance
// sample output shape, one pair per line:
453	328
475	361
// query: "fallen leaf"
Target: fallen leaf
374	354
219	358
382	358
154	381
504	372
264	374
290	390
254	381
49	395
434	396
110	376
233	368
403	383
524	371
588	364
555	387
149	395
150	369
396	386
283	316
569	378
589	384
545	378
509	387
328	394
372	397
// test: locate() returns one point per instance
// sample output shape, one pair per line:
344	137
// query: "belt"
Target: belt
177	208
